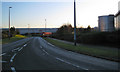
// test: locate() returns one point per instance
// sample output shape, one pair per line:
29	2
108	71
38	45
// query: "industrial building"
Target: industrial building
117	18
106	23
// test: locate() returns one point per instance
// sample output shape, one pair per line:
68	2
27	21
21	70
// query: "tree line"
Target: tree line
88	36
13	32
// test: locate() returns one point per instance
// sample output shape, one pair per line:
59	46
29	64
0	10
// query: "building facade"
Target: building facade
117	18
106	23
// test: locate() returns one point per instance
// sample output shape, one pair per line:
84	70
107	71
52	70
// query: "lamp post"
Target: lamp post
45	25
74	23
9	22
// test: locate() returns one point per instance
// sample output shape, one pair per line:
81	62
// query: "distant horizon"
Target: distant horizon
15	27
77	27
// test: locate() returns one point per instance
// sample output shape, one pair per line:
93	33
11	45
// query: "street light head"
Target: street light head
10	7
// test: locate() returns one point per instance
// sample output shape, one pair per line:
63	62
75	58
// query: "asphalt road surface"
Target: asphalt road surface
37	54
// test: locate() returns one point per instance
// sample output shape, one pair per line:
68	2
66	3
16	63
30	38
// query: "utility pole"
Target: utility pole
45	25
28	28
9	22
74	23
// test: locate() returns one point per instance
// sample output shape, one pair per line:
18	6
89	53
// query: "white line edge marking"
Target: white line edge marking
70	63
45	51
13	69
11	60
2	54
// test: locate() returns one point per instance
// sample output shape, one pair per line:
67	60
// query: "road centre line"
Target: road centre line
40	46
45	51
24	45
20	49
3	61
50	44
64	60
11	60
70	63
13	69
15	49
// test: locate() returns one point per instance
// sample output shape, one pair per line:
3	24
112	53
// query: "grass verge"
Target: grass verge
92	51
12	39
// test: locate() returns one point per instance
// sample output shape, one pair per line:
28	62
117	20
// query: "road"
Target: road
37	54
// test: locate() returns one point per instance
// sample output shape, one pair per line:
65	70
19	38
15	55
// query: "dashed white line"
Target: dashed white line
15	49
3	61
13	69
24	45
11	60
20	49
50	44
2	54
40	46
45	51
63	60
70	63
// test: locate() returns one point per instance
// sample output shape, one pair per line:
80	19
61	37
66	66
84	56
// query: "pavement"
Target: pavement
37	54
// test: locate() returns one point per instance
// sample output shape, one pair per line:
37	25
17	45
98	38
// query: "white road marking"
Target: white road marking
40	46
20	49
2	54
11	60
45	51
70	63
13	69
15	49
24	45
3	61
50	44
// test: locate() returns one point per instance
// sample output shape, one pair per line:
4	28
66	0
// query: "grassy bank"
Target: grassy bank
12	39
93	51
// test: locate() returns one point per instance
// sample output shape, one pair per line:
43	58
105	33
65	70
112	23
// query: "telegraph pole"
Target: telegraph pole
9	22
28	28
74	23
45	25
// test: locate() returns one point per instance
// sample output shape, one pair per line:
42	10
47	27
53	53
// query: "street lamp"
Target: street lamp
74	23
45	24
9	22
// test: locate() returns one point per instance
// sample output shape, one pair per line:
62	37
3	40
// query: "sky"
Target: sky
56	13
